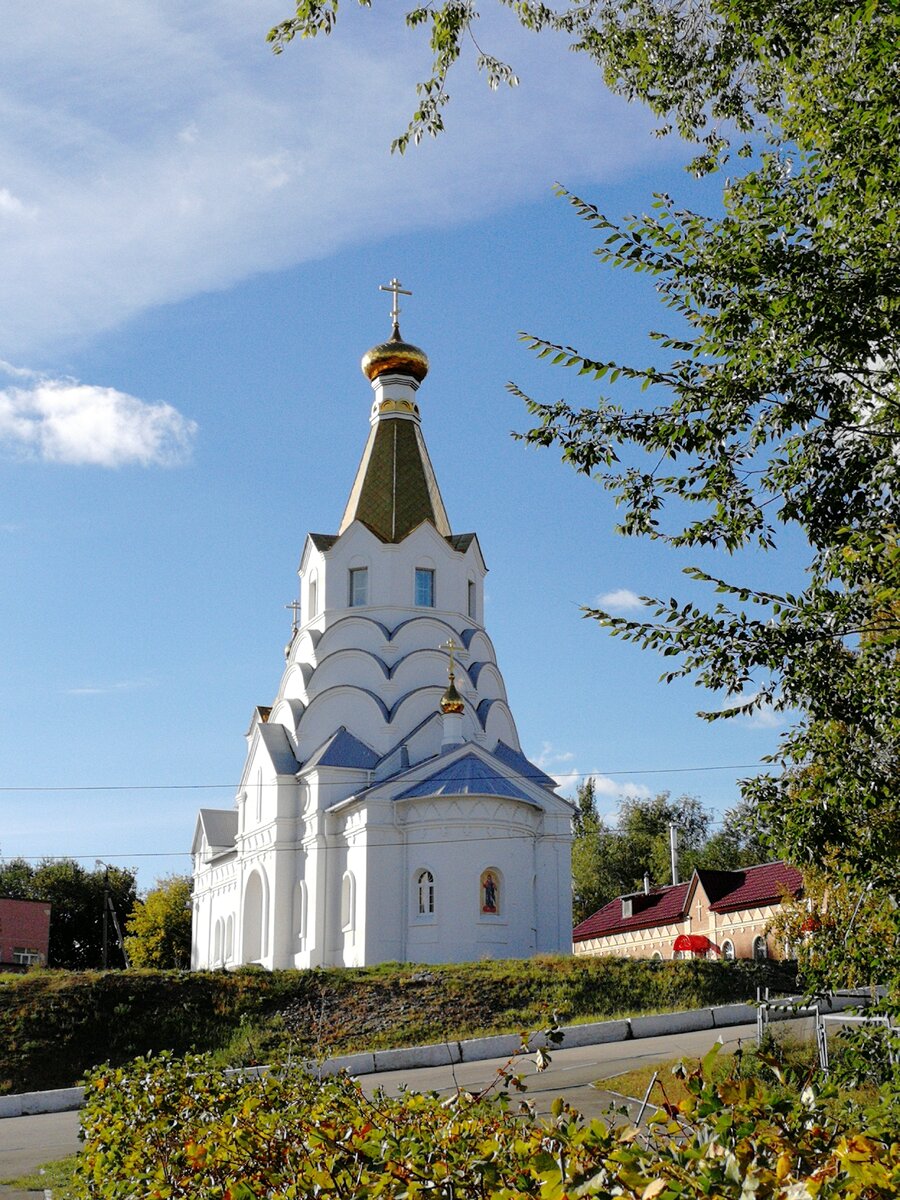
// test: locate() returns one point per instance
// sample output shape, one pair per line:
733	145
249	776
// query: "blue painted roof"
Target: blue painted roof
466	776
343	749
523	766
275	739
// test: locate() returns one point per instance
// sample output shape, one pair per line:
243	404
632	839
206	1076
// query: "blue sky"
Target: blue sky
193	235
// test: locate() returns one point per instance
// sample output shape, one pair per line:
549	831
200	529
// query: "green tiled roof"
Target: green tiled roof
395	488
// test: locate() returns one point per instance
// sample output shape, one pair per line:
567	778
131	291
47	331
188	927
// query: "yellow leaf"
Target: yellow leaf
653	1189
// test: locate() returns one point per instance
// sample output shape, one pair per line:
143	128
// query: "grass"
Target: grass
53	1176
750	1061
55	1025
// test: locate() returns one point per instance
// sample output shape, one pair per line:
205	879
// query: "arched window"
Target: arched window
229	939
470	599
313	597
348	901
425	894
490	892
217	943
254	932
656	956
760	949
728	950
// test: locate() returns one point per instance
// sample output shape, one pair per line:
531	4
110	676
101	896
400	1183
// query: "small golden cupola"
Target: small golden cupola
452	701
395	357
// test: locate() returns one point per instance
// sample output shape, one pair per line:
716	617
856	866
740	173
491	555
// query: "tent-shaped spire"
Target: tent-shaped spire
395	487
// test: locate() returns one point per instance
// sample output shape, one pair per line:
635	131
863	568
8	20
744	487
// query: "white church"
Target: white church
386	811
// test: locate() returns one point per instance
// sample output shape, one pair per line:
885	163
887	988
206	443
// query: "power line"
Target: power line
186	787
508	837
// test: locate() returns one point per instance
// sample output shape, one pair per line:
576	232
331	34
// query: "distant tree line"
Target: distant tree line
77	897
156	929
610	858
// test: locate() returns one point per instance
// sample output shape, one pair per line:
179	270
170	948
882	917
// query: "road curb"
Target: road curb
503	1045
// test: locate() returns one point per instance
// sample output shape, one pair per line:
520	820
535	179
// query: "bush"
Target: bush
164	1128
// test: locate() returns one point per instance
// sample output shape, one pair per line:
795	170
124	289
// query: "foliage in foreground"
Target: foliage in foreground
163	1128
54	1026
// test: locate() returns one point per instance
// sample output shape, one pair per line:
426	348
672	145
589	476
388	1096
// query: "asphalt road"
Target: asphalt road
26	1142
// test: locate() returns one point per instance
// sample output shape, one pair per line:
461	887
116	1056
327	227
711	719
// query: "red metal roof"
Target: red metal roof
663	906
726	891
768	883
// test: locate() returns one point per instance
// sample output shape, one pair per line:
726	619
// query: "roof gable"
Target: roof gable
468	775
343	749
218	827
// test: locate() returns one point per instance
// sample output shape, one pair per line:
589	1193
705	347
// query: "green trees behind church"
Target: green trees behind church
159	927
610	859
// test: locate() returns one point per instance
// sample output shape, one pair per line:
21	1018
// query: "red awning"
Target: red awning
696	943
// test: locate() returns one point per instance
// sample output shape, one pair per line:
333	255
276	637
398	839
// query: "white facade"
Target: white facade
374	821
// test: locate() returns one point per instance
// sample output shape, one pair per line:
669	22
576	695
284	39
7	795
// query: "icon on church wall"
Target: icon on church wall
490	893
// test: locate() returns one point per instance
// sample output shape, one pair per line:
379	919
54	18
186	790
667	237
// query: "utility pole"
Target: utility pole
106	918
673	850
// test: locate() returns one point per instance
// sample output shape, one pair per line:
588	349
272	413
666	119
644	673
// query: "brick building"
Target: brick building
24	934
714	914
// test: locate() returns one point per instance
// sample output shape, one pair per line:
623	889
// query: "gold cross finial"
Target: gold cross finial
395	287
294	606
450	646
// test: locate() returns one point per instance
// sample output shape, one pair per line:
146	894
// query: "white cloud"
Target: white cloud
106	689
11	205
560	765
197	158
621	789
620	600
62	421
551	760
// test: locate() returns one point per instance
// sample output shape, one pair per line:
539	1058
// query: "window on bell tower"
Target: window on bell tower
359	586
424	587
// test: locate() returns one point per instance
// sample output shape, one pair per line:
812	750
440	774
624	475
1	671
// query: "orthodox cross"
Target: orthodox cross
394	286
294	606
450	646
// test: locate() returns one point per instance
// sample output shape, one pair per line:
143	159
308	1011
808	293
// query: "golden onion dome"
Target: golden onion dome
452	701
395	357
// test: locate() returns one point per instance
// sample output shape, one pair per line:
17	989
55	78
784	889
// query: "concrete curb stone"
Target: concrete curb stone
477	1049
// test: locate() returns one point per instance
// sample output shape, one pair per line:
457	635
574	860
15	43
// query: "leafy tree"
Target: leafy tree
611	860
159	926
776	407
741	842
77	898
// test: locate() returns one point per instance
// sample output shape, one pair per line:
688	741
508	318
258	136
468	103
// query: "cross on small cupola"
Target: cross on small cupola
398	291
451	701
294	606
